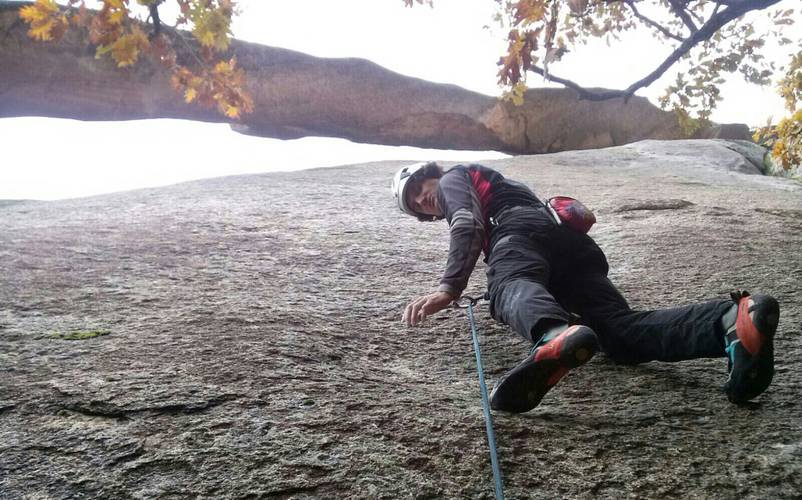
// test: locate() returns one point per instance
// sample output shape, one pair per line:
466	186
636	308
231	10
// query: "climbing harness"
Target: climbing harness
491	438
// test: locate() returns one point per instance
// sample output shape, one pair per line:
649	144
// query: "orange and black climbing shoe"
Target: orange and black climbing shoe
749	343
523	387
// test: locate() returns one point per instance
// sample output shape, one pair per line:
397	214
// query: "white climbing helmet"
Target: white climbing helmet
400	182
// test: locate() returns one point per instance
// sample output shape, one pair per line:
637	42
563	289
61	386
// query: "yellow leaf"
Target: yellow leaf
115	11
189	95
45	19
31	14
231	111
116	17
102	49
211	29
222	68
39	11
41	30
205	38
125	50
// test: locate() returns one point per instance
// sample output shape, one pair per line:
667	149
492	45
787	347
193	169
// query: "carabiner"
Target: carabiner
471	301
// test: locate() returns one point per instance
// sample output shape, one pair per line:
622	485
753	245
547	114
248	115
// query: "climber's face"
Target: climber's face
422	197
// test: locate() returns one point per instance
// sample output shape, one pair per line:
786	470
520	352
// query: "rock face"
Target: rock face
256	349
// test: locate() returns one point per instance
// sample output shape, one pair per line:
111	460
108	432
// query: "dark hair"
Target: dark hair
429	171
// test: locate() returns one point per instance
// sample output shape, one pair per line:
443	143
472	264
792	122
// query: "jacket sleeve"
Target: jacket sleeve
466	229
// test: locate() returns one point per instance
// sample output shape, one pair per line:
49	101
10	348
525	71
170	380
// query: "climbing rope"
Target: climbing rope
491	437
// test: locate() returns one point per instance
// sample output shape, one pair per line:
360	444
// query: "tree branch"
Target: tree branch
679	10
732	3
297	95
154	15
715	23
693	14
649	22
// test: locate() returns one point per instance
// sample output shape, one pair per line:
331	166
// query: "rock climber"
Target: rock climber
543	274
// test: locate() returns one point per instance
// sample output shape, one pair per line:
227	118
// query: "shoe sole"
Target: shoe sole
756	324
524	387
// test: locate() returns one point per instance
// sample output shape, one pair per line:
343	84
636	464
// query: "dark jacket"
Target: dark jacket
471	197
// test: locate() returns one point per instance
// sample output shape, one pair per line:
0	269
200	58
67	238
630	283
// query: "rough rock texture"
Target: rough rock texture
256	349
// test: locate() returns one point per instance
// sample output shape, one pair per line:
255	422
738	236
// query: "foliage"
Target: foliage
711	37
116	31
46	20
785	139
791	85
708	38
788	146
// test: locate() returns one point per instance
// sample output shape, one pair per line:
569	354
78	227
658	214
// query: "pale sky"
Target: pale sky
445	44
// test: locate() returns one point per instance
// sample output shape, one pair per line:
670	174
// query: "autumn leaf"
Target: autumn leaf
39	11
231	111
180	78
224	68
189	95
515	94
787	148
529	11
222	86
115	17
82	18
125	51
46	20
162	51
41	30
212	28
115	11
216	84
228	92
102	31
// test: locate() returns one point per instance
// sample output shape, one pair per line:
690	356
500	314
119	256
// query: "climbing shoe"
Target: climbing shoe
523	387
749	342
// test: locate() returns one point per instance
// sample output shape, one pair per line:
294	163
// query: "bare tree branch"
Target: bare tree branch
154	16
733	3
679	9
690	10
649	22
715	23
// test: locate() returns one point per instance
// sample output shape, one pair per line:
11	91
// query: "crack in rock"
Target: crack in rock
135	450
110	410
670	204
